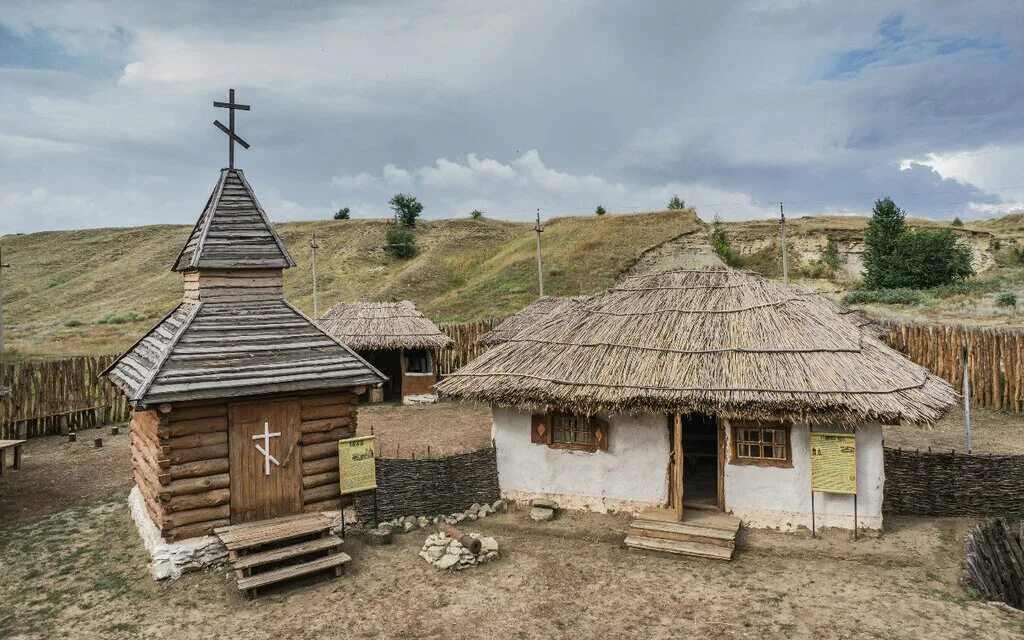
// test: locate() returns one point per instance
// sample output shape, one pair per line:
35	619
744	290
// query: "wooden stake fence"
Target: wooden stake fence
465	335
47	396
995	359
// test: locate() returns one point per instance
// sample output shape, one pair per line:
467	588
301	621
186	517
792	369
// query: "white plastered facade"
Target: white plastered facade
633	474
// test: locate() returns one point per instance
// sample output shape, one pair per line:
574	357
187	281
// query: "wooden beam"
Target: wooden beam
677	470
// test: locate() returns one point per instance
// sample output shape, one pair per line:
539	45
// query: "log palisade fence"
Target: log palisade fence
465	336
995	358
47	396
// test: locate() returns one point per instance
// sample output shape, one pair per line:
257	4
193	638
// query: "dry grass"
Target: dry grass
466	269
711	340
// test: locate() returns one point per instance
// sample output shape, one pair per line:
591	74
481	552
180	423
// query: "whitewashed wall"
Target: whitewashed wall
631	475
772	497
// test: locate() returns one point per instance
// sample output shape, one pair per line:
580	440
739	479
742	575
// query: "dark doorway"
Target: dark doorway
700	460
388	362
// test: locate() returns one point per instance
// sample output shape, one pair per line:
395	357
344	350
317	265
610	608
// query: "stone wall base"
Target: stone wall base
420	398
597	504
172	559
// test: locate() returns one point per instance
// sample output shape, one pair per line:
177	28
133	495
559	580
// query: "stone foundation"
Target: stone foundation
172	559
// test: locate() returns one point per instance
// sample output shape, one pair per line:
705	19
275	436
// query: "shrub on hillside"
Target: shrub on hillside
400	242
675	204
902	296
1006	300
342	214
600	210
73	322
121	317
476	214
719	241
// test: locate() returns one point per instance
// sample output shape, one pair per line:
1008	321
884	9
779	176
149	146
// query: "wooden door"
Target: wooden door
265	460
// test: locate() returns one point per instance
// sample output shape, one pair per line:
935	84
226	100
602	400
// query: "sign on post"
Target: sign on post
357	467
834	463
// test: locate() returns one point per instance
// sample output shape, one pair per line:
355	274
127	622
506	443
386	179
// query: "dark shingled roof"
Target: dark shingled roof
233	349
233	232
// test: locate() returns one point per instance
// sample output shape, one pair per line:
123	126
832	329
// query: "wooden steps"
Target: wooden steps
702	535
271	551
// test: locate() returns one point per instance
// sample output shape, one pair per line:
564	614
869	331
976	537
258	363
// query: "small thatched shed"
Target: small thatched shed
393	336
595	403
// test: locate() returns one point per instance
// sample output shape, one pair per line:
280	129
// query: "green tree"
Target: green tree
407	209
830	255
925	258
957	222
887	223
599	210
476	214
399	241
719	241
675	204
342	214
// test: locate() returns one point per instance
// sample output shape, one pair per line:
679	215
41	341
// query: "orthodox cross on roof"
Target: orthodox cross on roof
230	129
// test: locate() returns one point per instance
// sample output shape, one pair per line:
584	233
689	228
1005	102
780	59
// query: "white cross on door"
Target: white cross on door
265	448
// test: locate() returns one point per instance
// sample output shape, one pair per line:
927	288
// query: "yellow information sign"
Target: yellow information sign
834	462
357	467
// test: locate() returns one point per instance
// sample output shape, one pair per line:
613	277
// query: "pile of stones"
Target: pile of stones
445	552
382	533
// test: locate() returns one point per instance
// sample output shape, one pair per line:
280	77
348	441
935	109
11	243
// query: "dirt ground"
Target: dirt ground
73	567
448	427
991	432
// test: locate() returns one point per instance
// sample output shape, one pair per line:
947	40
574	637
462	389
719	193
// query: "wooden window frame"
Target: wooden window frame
734	457
427	358
543	432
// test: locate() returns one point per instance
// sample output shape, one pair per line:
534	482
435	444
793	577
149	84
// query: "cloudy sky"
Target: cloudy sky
106	114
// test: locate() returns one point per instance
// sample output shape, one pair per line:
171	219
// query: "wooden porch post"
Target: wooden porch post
677	469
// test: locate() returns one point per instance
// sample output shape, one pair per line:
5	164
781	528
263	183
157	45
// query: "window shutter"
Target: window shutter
600	433
540	431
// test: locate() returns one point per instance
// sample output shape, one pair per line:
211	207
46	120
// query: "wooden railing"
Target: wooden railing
46	396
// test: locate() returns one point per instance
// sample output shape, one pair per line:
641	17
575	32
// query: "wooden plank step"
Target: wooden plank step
294	571
682	537
694	530
253	534
677	547
295	550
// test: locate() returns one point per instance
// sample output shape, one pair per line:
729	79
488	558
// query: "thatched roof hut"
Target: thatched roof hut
538	310
711	340
367	326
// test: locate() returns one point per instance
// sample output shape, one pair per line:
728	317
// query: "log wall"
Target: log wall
180	461
229	285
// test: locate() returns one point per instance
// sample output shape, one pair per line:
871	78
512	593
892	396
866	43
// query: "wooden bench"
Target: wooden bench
10	444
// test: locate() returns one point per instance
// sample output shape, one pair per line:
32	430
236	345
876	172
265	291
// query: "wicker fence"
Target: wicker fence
48	395
995	359
430	486
465	335
919	483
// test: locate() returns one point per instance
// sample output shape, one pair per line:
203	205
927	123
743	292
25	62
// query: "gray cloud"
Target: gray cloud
508	108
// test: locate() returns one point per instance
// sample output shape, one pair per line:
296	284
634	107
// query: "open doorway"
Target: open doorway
388	362
700	458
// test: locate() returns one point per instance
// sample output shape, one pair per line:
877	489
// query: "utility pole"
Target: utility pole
3	265
540	270
313	246
785	262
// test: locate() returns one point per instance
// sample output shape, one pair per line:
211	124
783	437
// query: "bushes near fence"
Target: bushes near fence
919	483
46	395
430	486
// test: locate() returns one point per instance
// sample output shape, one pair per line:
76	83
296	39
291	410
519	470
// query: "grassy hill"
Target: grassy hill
95	291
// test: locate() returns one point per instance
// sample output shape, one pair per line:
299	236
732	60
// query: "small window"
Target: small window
567	431
417	361
760	444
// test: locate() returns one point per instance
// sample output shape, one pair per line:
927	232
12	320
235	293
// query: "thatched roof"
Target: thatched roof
367	326
714	340
539	309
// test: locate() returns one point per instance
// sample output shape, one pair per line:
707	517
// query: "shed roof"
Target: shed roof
383	325
233	231
205	350
712	340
